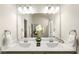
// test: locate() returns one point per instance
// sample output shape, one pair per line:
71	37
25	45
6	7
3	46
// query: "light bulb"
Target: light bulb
51	10
25	10
31	10
20	10
28	10
45	10
56	10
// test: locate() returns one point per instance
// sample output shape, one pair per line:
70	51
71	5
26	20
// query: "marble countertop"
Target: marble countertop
45	46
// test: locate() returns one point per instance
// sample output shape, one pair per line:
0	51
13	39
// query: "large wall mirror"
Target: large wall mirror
31	16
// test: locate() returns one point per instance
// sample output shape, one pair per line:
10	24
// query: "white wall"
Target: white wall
69	20
8	19
20	27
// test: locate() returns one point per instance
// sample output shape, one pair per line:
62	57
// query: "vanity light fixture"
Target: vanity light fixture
25	10
53	9
30	10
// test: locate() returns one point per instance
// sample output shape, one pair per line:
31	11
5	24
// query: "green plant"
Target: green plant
39	31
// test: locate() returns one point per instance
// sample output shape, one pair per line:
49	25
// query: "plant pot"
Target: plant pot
38	42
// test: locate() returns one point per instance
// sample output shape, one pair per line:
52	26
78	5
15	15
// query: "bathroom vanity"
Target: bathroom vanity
45	47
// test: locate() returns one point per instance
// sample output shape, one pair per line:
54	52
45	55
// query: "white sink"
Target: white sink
52	44
24	44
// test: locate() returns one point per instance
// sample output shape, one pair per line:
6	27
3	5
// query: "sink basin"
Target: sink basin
52	44
24	44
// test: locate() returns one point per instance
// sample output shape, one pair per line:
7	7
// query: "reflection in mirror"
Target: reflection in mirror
25	28
31	16
39	19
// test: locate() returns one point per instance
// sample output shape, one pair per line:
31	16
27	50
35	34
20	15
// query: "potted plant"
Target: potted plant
39	31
